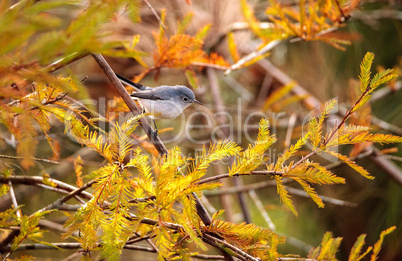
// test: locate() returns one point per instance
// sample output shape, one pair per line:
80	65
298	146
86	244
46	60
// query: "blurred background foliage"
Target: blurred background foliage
324	71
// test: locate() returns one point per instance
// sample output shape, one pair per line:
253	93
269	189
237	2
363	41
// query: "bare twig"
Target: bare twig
228	175
210	65
226	200
35	246
155	14
13	233
262	210
33	180
73	256
343	16
52	225
14	200
333	201
140	248
67	207
209	257
65	61
152	245
36	159
392	157
265	88
292	122
239	253
138	238
304	158
59	202
321	33
381	93
73	245
347	115
269	46
245	188
390	167
386	126
59	191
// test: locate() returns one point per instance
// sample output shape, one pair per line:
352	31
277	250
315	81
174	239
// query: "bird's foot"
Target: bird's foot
155	134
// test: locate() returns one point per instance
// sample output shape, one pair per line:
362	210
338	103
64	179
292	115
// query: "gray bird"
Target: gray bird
164	102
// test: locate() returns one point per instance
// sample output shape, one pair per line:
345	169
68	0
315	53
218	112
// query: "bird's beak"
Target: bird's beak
198	102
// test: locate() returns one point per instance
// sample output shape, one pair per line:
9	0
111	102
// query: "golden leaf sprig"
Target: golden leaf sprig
182	51
330	246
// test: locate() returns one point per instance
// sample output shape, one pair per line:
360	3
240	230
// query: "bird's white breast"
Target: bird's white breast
164	109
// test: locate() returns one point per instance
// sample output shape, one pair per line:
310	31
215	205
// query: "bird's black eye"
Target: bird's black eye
185	99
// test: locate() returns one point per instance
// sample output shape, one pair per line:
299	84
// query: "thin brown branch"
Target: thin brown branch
239	253
155	14
35	246
74	256
333	201
304	158
67	207
347	115
381	93
210	65
262	210
343	16
59	202
390	167
208	257
44	223
228	175
14	199
15	232
138	238
245	188
73	245
153	222
152	245
140	248
386	126
50	188
64	62
292	122
217	246
266	48
36	159
33	180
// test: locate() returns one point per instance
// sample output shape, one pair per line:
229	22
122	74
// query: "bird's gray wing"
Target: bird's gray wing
149	95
